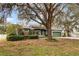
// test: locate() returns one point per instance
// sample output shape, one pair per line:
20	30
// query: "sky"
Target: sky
14	19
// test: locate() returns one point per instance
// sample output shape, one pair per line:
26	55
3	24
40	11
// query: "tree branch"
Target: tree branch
35	20
29	6
59	11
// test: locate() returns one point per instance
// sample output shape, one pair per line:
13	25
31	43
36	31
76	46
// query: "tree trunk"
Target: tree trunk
49	34
67	33
49	24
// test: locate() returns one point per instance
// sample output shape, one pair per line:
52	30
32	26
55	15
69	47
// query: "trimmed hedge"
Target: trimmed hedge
15	37
21	37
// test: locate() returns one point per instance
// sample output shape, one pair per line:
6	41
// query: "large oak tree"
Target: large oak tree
45	14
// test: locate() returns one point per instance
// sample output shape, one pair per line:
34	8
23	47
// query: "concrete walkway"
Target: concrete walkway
67	38
77	38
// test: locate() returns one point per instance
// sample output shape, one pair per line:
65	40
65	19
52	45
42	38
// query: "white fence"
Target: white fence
3	37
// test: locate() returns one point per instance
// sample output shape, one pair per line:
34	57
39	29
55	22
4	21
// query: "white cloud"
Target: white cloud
11	20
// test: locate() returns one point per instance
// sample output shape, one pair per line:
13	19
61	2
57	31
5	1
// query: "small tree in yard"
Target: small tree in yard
12	29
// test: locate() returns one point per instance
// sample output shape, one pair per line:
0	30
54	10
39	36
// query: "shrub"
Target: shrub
15	37
31	37
20	37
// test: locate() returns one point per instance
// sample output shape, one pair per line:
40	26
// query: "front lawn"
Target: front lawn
39	48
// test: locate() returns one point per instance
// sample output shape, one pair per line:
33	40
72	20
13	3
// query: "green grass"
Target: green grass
40	48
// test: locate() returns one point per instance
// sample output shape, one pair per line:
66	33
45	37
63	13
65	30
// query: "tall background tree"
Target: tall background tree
67	21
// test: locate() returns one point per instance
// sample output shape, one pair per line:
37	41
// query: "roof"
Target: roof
38	27
54	28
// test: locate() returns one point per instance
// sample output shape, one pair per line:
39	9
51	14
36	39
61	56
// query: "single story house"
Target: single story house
42	31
